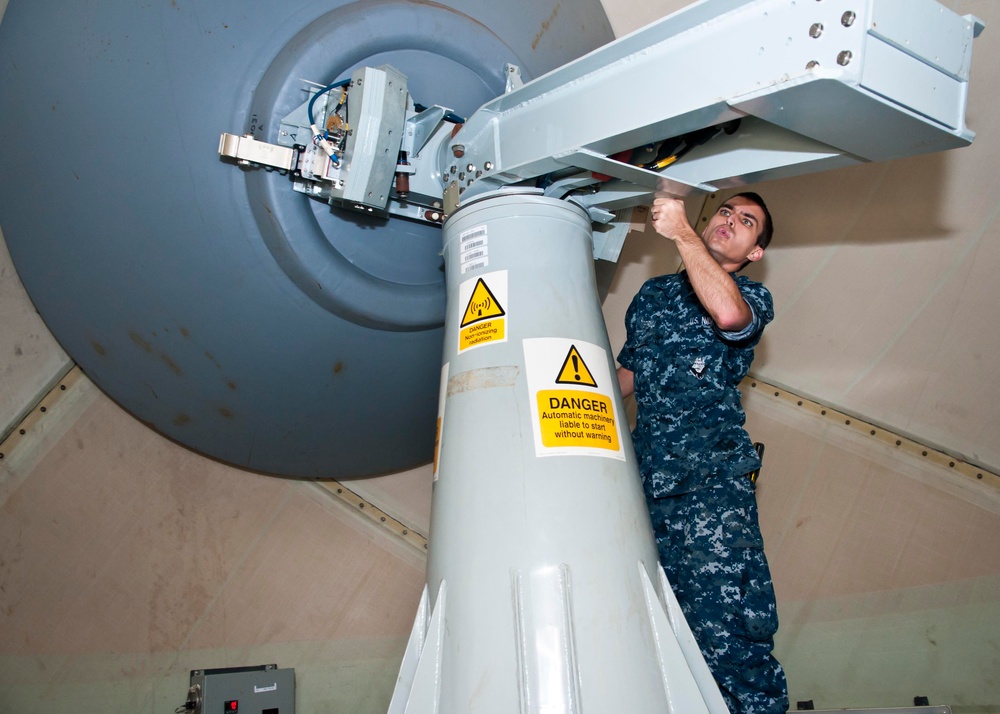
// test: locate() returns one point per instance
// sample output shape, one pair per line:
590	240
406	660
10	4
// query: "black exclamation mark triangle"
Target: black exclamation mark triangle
575	371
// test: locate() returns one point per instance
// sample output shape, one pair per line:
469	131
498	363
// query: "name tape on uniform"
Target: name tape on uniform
572	399
484	320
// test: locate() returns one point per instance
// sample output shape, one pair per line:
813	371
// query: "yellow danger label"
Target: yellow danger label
481	332
574	371
570	417
485	320
482	305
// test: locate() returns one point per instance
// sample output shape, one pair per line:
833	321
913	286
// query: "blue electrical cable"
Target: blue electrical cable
325	137
317	95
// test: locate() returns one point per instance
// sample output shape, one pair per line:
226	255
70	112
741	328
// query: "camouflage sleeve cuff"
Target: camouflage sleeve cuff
747	332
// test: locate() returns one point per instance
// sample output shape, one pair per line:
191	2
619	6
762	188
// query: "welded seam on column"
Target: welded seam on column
852	422
483	378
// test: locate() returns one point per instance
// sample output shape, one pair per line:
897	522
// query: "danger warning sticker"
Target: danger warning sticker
572	399
574	370
484	320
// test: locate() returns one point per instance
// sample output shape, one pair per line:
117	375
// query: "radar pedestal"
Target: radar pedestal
544	592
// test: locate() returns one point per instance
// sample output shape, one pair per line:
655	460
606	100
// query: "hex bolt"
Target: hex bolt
454	169
844	58
470	168
816	30
458	150
488	166
848	18
461	176
812	64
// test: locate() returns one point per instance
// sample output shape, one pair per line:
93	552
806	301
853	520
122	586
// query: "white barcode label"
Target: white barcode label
466	267
474	249
477	233
473	244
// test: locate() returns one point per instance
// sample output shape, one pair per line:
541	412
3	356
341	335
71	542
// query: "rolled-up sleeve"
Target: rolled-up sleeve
761	305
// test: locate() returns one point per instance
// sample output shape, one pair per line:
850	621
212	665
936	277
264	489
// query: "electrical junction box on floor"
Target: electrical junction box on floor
263	689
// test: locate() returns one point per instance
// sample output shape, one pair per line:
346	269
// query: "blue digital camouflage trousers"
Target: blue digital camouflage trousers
711	549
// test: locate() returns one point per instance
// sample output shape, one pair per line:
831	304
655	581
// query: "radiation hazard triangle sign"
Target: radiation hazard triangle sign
575	371
483	305
484	321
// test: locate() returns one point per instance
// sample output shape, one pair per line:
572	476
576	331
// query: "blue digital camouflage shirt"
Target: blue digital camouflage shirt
689	420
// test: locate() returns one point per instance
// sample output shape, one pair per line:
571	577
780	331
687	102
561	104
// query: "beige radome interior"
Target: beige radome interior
127	560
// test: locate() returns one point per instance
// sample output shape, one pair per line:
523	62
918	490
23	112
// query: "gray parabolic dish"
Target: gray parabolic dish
182	285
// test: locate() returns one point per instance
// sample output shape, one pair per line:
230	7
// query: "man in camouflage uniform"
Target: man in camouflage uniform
690	341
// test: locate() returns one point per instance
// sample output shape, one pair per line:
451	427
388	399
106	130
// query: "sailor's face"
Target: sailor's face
731	234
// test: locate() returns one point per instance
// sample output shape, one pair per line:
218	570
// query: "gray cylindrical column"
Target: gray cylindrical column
539	526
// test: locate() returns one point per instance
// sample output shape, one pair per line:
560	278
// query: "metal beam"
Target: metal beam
836	82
